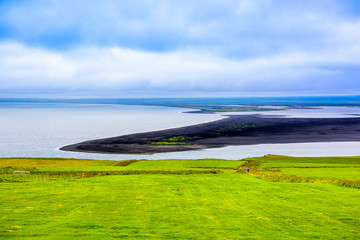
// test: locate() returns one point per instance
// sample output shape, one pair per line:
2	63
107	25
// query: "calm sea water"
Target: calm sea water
39	129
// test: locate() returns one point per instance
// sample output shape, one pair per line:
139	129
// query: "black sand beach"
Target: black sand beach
233	130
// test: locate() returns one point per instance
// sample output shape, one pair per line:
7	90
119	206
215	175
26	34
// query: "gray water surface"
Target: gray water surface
40	129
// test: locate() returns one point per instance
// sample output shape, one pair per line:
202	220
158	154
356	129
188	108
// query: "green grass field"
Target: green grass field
280	198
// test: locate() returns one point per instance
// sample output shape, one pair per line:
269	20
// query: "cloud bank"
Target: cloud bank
107	69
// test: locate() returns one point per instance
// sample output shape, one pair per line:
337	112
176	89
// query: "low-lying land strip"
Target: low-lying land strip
234	130
270	197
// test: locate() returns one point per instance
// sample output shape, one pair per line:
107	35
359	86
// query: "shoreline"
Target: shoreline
230	131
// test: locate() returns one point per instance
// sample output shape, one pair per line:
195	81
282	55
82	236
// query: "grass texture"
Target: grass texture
180	199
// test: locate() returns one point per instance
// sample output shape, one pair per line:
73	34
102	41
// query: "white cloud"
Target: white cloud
105	69
32	67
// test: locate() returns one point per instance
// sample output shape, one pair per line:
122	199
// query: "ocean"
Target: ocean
30	129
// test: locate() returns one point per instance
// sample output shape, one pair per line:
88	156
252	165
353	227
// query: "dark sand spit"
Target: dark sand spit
233	130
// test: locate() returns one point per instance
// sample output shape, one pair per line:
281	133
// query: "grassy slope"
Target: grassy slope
202	206
346	168
339	173
51	162
154	165
286	161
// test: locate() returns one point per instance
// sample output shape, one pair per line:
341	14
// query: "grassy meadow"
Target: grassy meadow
280	198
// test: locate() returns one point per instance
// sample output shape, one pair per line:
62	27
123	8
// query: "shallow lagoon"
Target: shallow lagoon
39	129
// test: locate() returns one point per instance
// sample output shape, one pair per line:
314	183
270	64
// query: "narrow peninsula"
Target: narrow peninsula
230	131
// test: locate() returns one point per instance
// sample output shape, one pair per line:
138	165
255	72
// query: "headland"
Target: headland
230	131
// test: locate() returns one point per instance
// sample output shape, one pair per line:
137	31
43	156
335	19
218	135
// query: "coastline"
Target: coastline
231	131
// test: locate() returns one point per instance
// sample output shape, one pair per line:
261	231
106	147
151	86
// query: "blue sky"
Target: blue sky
184	48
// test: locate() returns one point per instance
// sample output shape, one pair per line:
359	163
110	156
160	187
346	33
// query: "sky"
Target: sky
185	48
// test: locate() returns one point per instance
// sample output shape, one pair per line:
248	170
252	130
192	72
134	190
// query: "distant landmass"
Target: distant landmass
209	105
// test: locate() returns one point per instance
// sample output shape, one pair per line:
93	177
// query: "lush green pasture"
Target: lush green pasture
305	169
339	173
286	161
154	165
50	162
227	205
